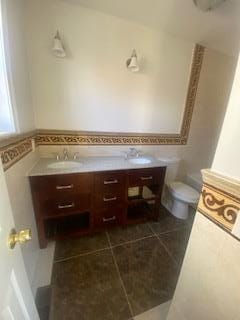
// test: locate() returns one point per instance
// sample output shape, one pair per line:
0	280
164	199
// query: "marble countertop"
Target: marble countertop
91	164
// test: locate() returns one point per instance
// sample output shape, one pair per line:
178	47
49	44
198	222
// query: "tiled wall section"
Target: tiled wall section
16	147
15	152
220	201
208	286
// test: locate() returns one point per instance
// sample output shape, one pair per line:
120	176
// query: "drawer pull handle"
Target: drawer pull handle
146	178
109	199
70	186
66	206
109	219
110	181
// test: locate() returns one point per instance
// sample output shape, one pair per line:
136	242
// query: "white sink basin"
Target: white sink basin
64	165
140	160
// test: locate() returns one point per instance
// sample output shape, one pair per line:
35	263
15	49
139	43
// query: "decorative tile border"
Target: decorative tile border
14	152
220	200
58	137
198	57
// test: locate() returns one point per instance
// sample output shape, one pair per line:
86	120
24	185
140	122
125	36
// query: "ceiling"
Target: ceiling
218	29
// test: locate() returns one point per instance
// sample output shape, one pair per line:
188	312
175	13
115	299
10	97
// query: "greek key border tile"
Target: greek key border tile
14	152
100	139
217	203
197	62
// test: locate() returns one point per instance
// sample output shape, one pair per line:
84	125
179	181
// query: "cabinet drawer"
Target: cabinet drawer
63	184
108	199
67	204
143	177
109	217
109	181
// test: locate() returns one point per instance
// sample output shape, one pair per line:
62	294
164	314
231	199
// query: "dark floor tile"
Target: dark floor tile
88	288
167	222
192	213
43	302
148	273
176	242
124	234
71	247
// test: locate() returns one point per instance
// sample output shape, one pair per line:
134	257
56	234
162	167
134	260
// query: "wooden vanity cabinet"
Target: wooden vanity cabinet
82	203
110	199
145	205
62	200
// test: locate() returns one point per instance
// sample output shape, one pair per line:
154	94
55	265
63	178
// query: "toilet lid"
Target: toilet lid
184	192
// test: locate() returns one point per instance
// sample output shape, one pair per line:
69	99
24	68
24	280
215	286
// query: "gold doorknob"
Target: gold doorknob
18	237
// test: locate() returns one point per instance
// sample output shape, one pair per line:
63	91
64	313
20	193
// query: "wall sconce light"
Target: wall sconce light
208	5
58	48
132	63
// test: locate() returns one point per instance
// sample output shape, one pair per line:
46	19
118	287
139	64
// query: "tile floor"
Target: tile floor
157	313
119	274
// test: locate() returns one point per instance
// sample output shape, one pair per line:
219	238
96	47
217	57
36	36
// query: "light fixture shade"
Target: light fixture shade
58	49
207	5
132	63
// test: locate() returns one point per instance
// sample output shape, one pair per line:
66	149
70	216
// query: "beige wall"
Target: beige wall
92	89
208	287
214	87
211	103
227	157
14	17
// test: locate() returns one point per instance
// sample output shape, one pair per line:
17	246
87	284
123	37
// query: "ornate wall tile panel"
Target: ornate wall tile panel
14	152
220	199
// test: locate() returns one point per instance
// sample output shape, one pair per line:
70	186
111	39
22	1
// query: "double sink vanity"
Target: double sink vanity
86	195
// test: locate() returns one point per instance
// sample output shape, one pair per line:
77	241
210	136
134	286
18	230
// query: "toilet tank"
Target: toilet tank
172	165
195	180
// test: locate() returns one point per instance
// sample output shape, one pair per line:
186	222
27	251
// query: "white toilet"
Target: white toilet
178	196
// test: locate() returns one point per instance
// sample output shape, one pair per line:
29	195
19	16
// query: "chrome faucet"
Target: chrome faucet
65	154
75	155
133	153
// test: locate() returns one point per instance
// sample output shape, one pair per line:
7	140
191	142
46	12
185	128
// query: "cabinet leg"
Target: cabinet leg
41	234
